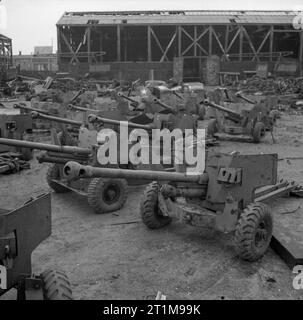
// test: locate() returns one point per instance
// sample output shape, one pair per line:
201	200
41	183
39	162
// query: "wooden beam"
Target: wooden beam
285	30
79	47
271	41
59	45
301	53
179	41
250	44
195	42
125	44
241	44
101	46
261	45
190	37
199	37
210	40
218	40
88	37
118	43
74	56
168	46
233	40
226	38
149	48
158	42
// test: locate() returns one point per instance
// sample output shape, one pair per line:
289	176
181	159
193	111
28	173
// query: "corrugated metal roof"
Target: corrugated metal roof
178	17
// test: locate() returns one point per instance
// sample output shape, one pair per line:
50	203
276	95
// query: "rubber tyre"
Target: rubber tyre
53	173
56	285
97	194
258	132
255	218
149	209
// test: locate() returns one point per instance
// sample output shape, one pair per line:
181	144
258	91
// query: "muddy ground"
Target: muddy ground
108	259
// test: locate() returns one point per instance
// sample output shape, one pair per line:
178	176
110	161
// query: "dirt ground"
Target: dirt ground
108	260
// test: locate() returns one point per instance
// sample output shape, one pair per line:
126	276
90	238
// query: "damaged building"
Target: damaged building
5	56
172	43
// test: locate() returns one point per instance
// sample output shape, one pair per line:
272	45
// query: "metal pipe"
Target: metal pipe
37	115
93	118
74	170
43	146
223	109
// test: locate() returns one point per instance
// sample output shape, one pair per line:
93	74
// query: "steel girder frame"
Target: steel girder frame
203	39
68	47
190	41
6	52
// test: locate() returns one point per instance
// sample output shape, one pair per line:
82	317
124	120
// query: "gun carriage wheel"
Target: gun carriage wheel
151	214
107	195
253	232
56	286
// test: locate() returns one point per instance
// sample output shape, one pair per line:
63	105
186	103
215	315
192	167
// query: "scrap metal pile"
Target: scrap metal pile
280	86
11	164
229	185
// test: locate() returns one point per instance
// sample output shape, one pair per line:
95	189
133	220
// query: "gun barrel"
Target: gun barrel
240	95
164	105
37	115
93	119
20	106
74	170
77	95
177	94
223	109
44	146
120	94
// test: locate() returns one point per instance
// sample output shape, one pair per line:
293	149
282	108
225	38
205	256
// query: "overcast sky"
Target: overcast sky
32	22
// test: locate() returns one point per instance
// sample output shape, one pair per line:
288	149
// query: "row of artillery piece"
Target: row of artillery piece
231	194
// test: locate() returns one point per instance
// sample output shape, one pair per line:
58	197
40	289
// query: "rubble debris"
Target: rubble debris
281	86
12	164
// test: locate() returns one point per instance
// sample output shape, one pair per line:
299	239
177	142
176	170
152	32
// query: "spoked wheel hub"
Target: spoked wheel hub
107	195
253	231
111	194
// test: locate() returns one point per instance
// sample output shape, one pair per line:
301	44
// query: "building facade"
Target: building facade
131	44
46	62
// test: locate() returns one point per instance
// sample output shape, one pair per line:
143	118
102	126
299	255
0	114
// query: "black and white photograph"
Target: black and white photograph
151	150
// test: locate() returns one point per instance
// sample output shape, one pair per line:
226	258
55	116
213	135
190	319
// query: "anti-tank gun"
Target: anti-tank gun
21	232
230	195
250	123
